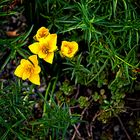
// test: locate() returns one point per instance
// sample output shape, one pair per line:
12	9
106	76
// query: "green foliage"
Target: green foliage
63	95
13	46
111	53
18	120
66	88
4	4
108	36
99	97
83	101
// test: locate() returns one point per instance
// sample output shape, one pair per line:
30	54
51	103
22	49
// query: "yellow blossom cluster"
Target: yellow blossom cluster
29	69
44	48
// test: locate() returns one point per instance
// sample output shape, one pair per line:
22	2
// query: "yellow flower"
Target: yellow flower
41	33
68	49
45	48
29	69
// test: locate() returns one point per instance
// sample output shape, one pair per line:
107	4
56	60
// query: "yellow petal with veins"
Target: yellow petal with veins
24	62
49	57
41	54
26	74
37	70
19	71
35	47
41	33
33	59
35	79
52	40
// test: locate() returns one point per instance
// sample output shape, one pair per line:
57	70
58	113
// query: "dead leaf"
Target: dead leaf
12	33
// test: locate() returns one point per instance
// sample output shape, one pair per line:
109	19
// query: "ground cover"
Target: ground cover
81	70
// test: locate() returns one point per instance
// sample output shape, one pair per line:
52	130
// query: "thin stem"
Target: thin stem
101	69
124	61
129	138
45	99
46	94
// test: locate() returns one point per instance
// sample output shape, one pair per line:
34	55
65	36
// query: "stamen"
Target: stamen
45	50
30	69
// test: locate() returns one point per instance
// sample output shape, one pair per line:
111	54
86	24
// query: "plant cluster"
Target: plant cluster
92	85
44	48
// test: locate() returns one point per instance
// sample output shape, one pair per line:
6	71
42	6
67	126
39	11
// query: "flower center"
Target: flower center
70	50
45	50
30	69
42	34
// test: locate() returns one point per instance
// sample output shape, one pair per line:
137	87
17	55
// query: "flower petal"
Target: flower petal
41	54
19	71
33	59
26	74
24	62
41	33
37	70
35	79
34	48
64	49
74	46
49	57
68	49
52	40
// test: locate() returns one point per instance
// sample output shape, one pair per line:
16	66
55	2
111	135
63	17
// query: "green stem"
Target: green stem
124	61
102	68
45	99
46	94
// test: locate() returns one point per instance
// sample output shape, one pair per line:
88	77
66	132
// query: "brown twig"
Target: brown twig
133	99
96	115
133	109
72	107
88	130
78	88
76	128
129	138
